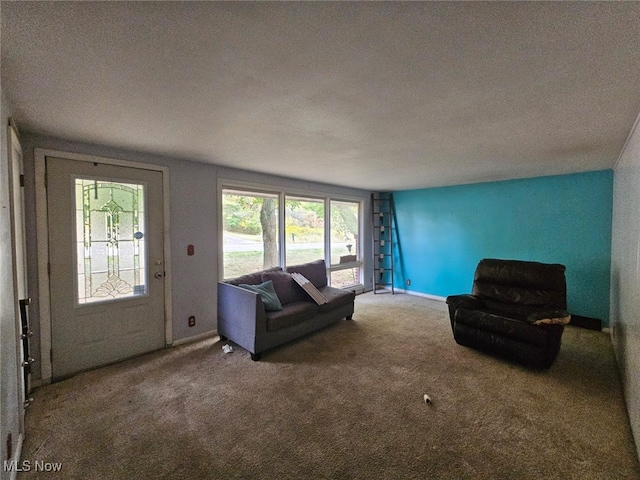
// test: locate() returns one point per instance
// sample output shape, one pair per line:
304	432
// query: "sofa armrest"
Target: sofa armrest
241	314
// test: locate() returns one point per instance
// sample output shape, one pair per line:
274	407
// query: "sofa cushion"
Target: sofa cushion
285	286
267	293
336	297
315	272
291	313
251	278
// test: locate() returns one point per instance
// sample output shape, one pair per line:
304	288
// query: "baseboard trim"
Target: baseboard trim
40	382
444	299
586	322
425	295
194	338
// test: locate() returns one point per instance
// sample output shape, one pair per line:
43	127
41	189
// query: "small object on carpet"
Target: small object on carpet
427	399
227	348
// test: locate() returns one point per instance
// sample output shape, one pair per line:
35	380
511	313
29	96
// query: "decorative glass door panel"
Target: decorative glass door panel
111	258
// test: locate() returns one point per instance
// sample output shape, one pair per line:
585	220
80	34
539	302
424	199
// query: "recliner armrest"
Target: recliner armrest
503	326
467	301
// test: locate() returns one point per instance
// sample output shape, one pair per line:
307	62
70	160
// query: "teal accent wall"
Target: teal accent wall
442	234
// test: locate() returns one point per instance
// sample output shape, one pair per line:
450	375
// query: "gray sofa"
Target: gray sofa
243	319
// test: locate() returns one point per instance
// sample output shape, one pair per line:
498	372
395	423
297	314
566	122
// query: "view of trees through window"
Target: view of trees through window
344	231
345	222
251	233
304	230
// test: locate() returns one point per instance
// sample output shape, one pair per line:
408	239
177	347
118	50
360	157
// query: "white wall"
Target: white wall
193	217
625	275
11	410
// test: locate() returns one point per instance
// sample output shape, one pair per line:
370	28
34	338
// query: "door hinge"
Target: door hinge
22	180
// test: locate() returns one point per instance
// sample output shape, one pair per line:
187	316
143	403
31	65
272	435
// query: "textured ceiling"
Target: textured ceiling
378	95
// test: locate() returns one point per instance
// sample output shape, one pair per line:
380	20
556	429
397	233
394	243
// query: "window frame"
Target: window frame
282	193
303	198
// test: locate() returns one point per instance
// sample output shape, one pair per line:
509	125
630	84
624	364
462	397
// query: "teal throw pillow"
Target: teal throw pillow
267	292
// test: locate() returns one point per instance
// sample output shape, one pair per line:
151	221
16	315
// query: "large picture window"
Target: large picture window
249	232
345	245
304	223
314	228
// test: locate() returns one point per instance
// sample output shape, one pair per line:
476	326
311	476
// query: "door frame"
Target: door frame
15	163
42	229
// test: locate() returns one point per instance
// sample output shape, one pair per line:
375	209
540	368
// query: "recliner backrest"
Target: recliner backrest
521	282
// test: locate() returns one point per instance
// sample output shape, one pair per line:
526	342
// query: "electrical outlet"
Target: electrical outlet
408	282
192	321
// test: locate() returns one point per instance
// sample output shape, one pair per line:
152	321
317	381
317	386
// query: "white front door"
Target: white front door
106	263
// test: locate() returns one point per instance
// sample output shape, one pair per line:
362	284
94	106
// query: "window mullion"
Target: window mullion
282	231
327	235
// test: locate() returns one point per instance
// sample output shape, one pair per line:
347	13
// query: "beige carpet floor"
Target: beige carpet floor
345	402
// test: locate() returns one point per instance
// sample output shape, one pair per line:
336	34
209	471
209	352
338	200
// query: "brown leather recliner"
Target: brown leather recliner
516	309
